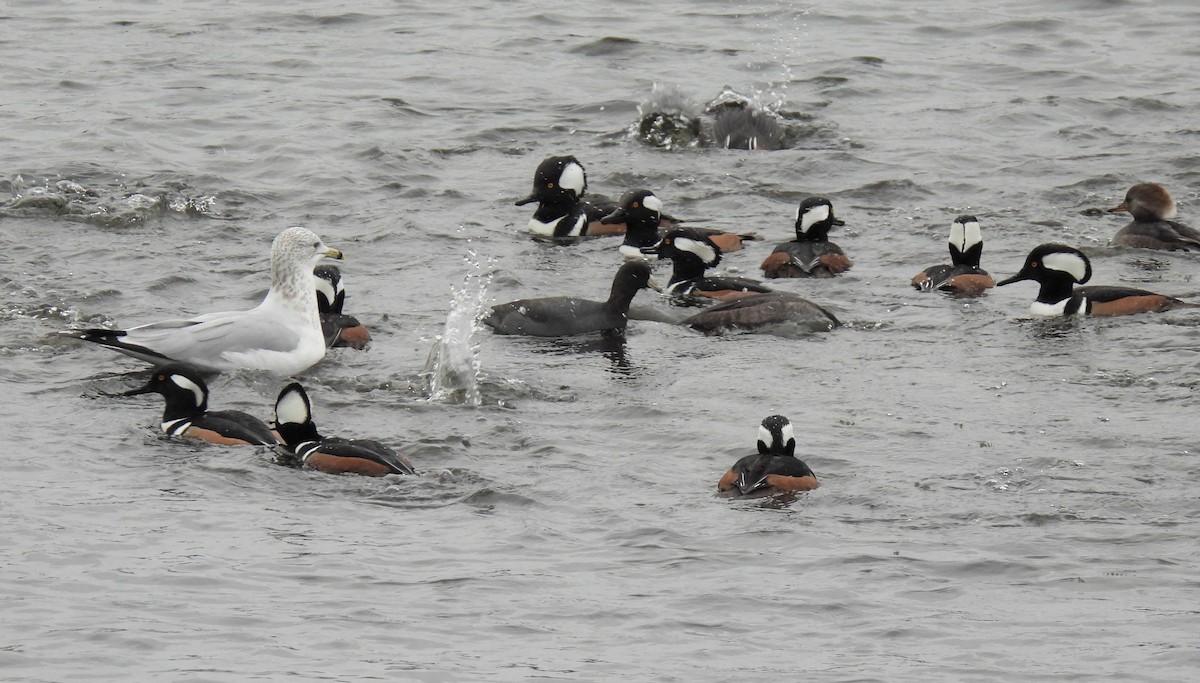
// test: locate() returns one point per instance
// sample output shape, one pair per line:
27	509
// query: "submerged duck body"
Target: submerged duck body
332	455
1151	206
1057	268
774	468
692	253
187	415
747	128
562	316
963	276
762	310
811	254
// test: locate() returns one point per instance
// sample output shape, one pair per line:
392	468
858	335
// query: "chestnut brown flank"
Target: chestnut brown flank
727	480
727	241
836	263
1133	304
333	464
213	437
786	483
598	228
355	337
775	261
970	284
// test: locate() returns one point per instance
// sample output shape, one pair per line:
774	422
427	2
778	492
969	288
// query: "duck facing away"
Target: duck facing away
332	455
963	276
562	316
1057	268
282	334
186	414
811	254
339	329
1151	206
692	253
774	468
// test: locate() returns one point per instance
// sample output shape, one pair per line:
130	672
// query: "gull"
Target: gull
281	335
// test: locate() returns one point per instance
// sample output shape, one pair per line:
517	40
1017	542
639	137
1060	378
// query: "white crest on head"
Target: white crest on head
185	383
765	436
572	178
814	215
291	408
326	287
965	235
1066	262
653	203
701	249
786	434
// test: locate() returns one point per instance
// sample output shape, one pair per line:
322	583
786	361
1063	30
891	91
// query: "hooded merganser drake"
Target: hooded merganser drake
187	412
1151	205
811	254
759	310
559	184
282	334
332	455
1057	268
692	253
561	316
963	276
774	468
640	211
339	329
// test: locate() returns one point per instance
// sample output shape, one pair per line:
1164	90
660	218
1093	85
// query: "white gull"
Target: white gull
282	334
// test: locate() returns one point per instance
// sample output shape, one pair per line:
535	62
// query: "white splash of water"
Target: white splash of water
452	368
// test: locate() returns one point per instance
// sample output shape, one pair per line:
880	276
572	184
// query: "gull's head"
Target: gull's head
294	253
301	248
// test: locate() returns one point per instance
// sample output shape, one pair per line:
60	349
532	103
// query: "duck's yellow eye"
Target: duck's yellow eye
162	378
635	205
549	186
1033	265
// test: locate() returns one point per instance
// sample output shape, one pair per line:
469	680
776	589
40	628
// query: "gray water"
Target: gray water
1001	499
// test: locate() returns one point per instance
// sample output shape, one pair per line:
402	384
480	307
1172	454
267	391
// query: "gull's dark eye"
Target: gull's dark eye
316	244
